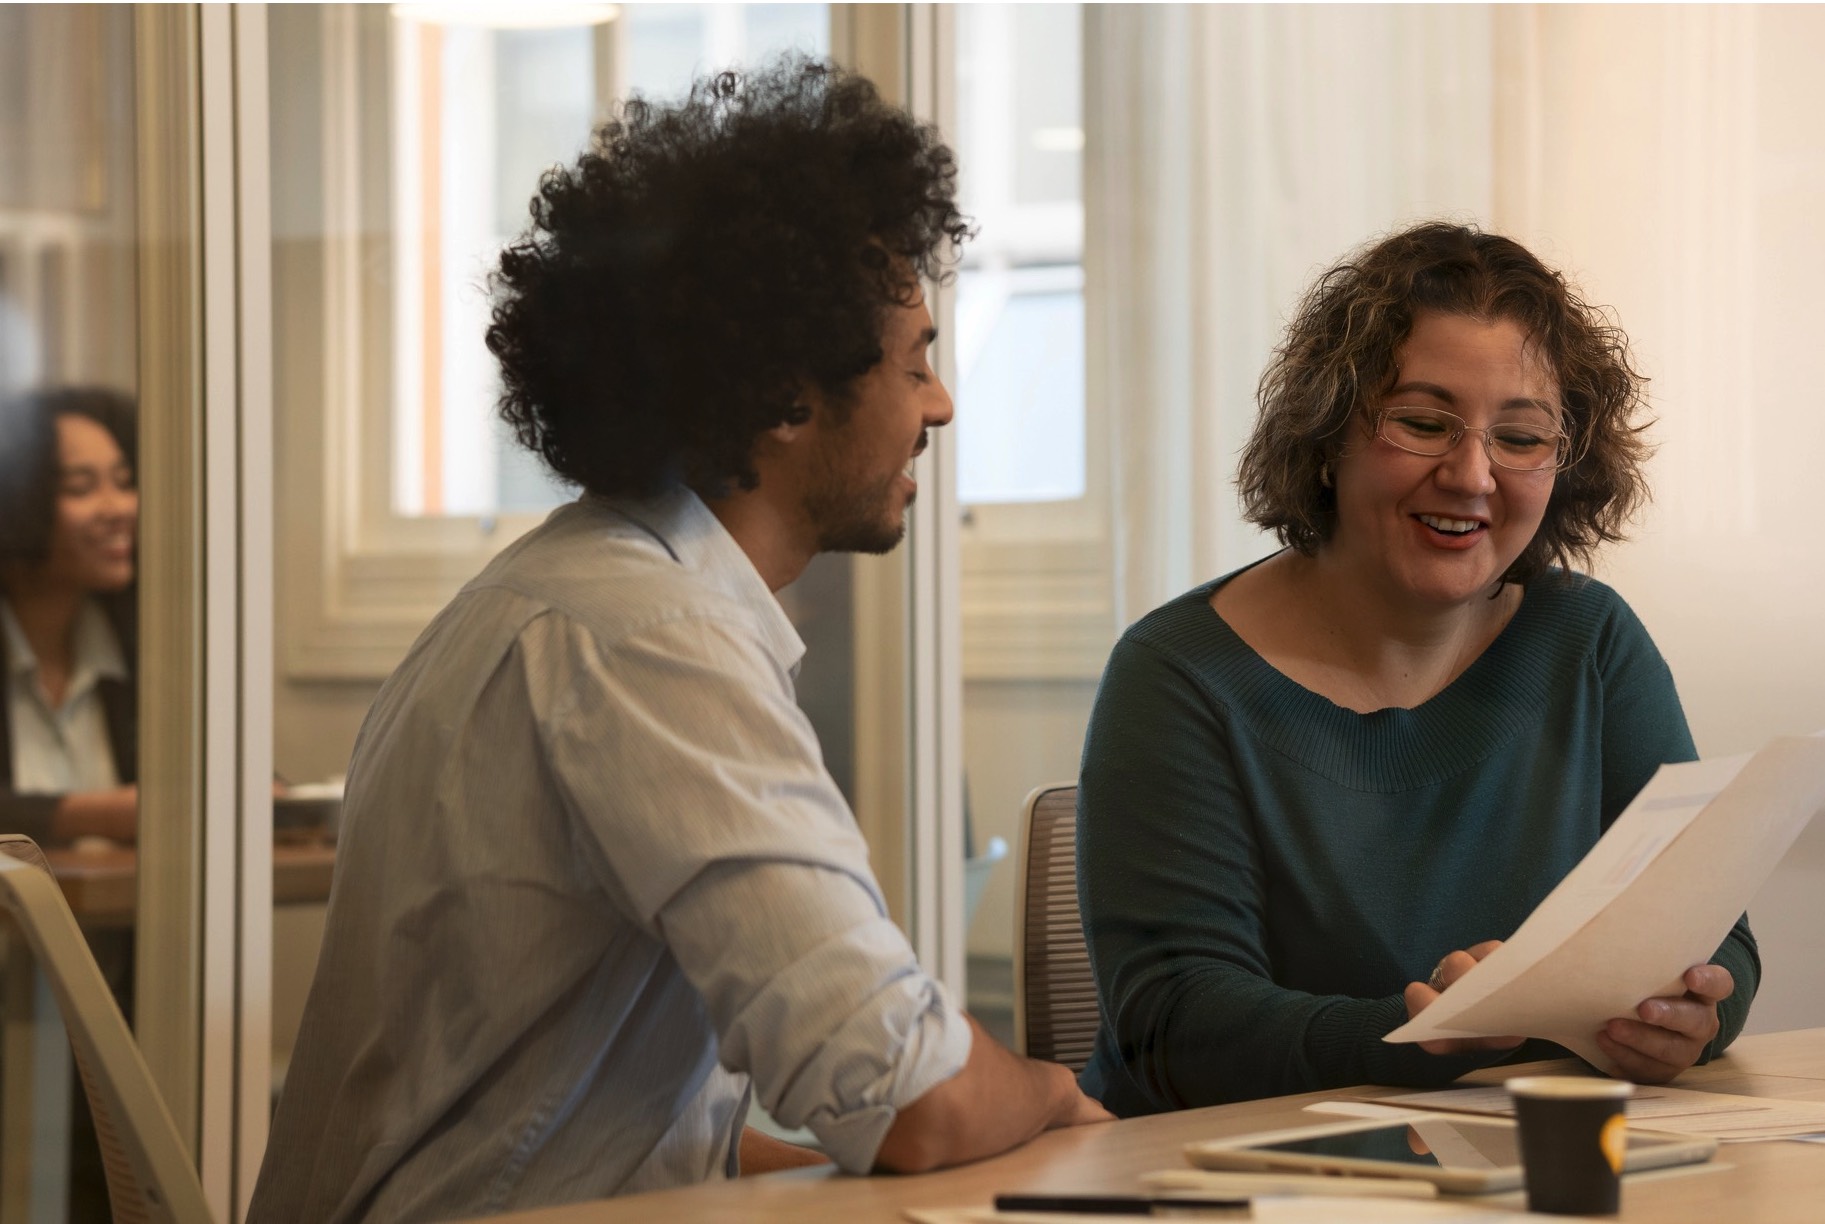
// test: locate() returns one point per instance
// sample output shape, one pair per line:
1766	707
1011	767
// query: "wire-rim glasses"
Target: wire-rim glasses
1519	446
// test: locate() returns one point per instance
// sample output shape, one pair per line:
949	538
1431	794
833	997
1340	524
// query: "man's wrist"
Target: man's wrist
1063	1094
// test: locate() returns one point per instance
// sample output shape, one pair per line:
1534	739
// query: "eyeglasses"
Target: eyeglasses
1517	446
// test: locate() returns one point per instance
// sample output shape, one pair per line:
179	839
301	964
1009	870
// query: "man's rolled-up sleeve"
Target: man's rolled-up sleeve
684	754
818	996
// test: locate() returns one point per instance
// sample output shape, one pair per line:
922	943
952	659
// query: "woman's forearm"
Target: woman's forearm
113	814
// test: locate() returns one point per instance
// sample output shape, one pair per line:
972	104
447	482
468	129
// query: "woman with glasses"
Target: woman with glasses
1317	790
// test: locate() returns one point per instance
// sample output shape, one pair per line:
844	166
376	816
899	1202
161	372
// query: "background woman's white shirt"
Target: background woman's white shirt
57	750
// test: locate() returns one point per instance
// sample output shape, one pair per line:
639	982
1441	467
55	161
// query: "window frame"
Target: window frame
365	579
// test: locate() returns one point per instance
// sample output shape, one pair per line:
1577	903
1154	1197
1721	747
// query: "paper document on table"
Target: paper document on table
1722	1116
1315	1210
1655	896
1360	1109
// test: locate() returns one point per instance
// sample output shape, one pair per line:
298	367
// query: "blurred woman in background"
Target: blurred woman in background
69	518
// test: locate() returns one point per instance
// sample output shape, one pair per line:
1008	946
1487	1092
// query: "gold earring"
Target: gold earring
1324	474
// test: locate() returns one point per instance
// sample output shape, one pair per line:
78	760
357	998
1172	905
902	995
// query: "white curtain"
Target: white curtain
1232	152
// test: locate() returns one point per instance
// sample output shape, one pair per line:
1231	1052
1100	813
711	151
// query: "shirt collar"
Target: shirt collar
20	661
98	652
96	648
697	540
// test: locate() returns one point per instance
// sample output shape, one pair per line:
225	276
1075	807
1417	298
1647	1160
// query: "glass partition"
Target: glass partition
70	358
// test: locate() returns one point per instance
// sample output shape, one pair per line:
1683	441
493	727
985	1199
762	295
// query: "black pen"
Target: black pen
1117	1204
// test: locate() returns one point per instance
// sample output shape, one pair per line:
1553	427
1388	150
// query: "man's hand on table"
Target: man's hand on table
999	1101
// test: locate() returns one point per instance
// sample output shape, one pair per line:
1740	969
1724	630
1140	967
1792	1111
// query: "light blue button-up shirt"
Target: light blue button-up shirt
593	876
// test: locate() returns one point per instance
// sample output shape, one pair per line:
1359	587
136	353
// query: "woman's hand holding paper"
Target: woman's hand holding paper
1671	1033
1420	995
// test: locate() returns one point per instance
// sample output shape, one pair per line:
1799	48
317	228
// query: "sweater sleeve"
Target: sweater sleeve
1644	727
1172	886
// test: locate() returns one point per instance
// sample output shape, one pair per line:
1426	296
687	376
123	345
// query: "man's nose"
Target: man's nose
942	409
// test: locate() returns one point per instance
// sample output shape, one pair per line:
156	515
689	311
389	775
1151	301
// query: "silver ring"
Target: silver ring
1437	980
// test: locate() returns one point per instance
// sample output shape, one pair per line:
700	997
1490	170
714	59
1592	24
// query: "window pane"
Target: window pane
545	97
669	44
1048	104
1020	314
1021	372
480	114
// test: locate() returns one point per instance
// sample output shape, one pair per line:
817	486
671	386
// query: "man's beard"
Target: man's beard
857	520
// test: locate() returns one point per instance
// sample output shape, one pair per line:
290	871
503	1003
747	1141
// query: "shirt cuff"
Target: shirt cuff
903	1042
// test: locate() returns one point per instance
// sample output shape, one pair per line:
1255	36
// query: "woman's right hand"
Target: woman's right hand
1421	995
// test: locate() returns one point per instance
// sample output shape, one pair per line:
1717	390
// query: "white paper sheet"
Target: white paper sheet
1361	1109
1329	1210
1656	895
1720	1115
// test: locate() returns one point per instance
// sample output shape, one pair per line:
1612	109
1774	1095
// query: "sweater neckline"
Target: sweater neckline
1491	703
1249	652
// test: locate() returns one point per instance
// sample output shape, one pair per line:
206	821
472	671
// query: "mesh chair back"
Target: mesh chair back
150	1177
1056	1014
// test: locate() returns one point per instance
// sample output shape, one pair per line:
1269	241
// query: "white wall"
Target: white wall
1017	735
1678	169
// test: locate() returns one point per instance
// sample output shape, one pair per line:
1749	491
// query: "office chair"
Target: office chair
1056	1014
150	1176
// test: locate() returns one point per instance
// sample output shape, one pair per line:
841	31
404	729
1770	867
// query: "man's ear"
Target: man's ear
797	417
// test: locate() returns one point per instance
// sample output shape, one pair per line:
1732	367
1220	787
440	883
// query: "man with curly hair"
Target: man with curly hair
594	880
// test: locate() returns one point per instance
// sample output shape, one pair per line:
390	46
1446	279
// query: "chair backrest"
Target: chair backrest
150	1177
1056	1014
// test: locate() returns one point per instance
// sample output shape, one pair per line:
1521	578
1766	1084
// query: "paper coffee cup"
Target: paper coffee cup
1574	1138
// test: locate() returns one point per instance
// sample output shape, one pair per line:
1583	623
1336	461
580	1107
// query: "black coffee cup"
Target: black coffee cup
1574	1136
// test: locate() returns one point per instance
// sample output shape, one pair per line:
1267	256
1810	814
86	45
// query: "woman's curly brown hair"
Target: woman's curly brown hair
704	263
1338	358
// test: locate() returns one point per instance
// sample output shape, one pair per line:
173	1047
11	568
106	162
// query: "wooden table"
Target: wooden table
1746	1183
102	886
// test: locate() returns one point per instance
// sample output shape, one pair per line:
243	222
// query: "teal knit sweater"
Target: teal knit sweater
1262	871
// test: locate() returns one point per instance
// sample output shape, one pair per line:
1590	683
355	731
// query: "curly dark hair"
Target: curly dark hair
29	461
707	261
1337	358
